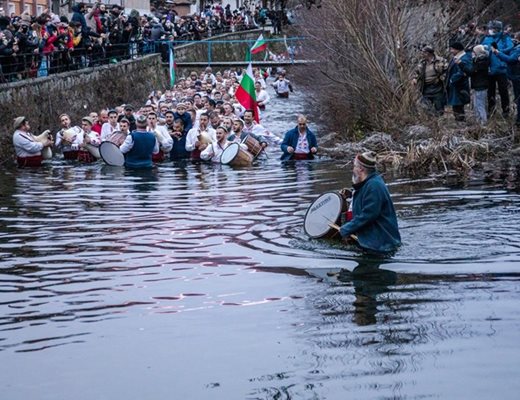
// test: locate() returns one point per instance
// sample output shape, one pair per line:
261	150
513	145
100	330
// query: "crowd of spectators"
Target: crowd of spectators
33	46
483	60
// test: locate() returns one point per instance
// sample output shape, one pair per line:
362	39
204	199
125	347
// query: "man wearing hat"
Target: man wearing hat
180	113
457	82
129	115
28	149
496	38
91	142
429	77
139	146
374	222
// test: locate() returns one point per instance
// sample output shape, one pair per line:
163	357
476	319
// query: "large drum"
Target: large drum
111	154
253	145
236	156
325	210
94	150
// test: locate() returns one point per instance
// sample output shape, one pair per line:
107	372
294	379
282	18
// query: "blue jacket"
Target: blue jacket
141	154
291	139
457	81
505	45
374	220
513	65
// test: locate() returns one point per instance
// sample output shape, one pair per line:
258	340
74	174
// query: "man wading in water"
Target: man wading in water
374	221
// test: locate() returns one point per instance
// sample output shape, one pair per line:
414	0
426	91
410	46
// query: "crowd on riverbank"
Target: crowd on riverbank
40	45
483	60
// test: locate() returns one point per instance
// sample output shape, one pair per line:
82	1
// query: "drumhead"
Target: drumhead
324	210
111	154
229	153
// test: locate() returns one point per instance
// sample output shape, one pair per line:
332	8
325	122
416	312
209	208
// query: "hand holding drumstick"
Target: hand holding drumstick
337	227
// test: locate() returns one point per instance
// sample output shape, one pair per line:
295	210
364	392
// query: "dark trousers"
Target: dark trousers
502	83
516	91
458	113
433	95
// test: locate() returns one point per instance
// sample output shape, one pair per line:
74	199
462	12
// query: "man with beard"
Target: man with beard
299	143
68	143
373	225
178	133
199	137
129	116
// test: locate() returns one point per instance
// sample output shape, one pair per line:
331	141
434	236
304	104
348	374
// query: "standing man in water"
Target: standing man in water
374	222
299	143
139	146
28	150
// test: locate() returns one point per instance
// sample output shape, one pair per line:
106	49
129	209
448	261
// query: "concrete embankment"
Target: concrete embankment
42	100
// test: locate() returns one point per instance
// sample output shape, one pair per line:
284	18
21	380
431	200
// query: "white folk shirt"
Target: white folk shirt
75	145
282	86
128	145
94	138
107	130
25	145
193	136
165	141
262	97
214	151
303	145
255	129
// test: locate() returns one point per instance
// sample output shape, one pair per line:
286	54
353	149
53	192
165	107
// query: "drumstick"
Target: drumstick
334	226
337	227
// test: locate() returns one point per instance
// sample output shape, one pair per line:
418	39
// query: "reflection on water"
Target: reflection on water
197	281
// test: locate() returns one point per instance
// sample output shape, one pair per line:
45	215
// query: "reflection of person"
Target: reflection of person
374	221
369	281
299	143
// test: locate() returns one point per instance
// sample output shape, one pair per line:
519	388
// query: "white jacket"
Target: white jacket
193	134
213	151
25	145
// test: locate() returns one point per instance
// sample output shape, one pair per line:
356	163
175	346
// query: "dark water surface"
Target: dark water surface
198	282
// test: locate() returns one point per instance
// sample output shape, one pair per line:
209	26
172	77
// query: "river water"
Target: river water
198	282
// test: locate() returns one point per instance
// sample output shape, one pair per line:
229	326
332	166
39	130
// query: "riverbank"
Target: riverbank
438	147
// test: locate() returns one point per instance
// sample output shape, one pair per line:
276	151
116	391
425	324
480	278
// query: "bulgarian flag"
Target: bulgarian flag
172	68
246	95
260	45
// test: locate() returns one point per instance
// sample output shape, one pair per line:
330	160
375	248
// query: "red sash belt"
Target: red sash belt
32	161
159	157
195	154
85	156
70	155
300	156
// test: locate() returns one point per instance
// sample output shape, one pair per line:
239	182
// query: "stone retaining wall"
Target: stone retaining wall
42	100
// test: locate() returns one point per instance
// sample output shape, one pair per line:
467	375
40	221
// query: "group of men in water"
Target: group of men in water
199	121
196	120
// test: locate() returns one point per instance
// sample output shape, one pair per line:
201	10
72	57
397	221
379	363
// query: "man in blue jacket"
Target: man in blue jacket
496	38
457	81
374	222
299	143
513	70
